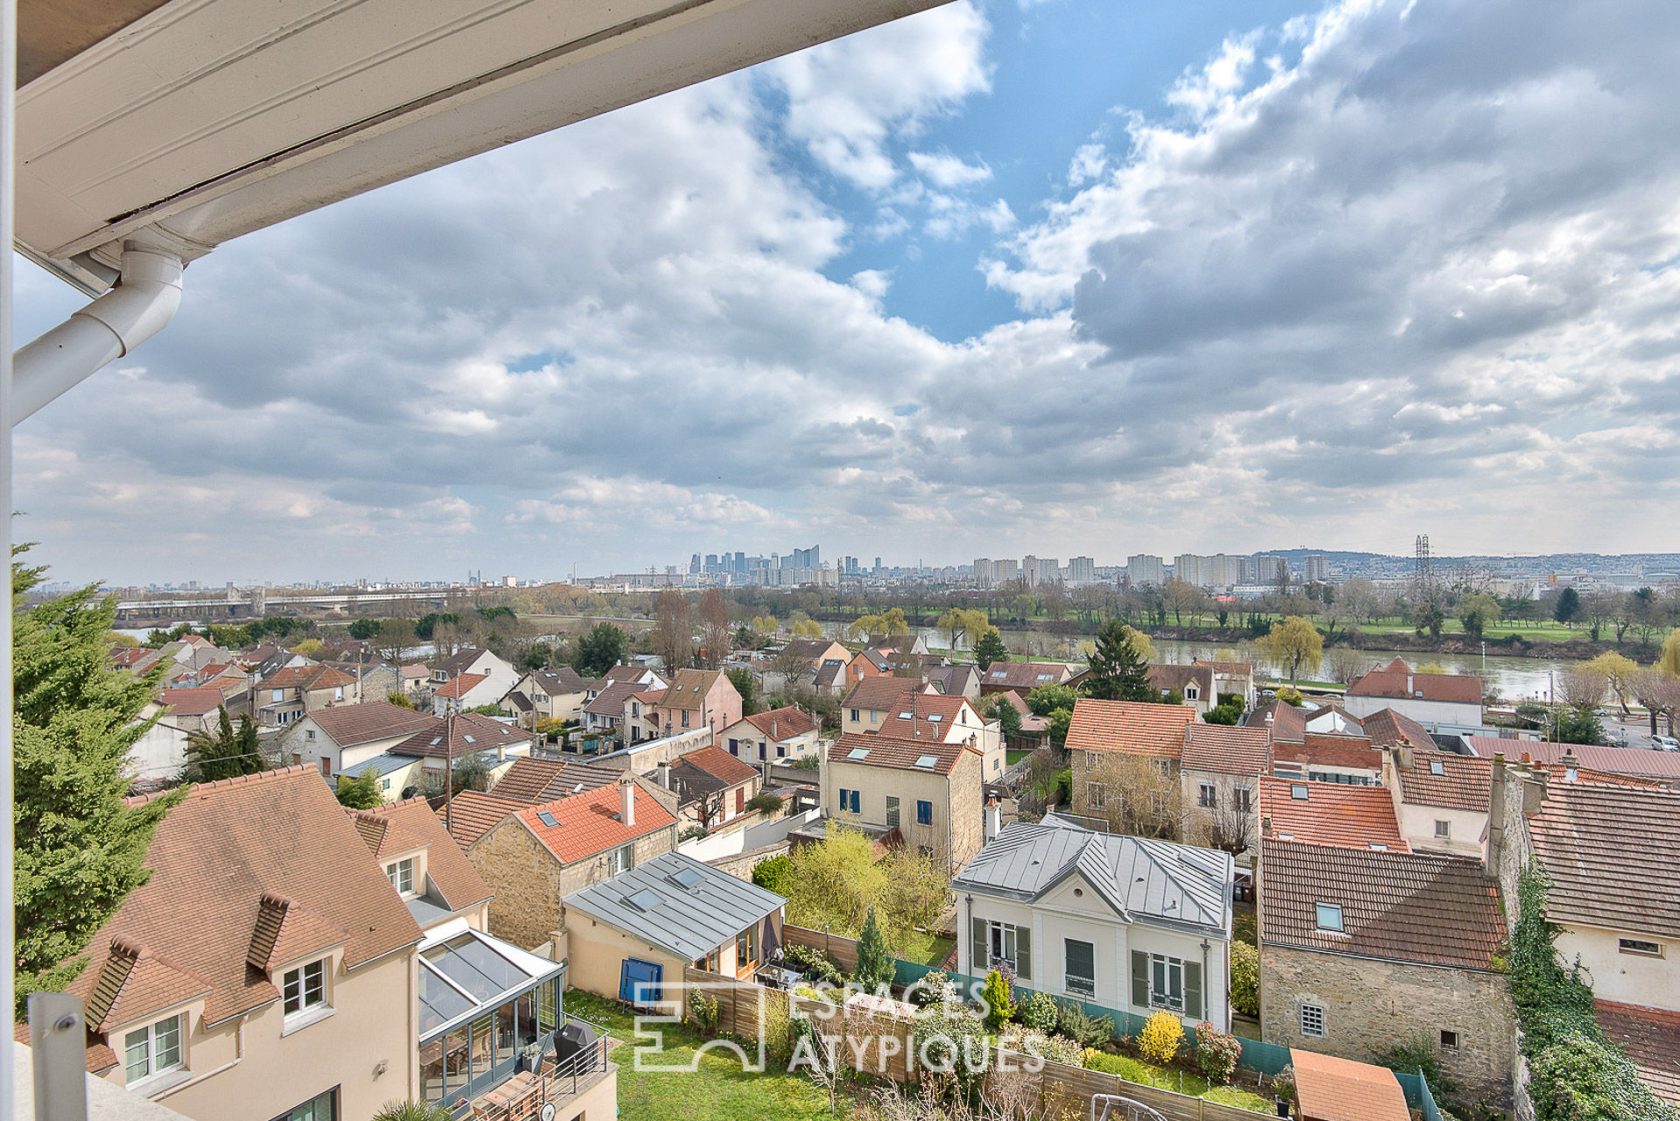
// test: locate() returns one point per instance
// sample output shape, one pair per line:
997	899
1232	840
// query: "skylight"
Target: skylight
927	761
546	818
687	877
857	753
933	718
1330	917
469	739
646	900
1436	767
1298	792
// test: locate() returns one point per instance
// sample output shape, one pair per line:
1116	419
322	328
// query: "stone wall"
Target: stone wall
1372	1006
968	810
526	880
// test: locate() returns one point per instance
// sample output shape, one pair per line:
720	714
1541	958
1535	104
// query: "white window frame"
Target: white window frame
1207	796
1443	829
308	1004
1095	796
151	1032
395	872
1167	970
1318	918
1001	945
1637	947
1313	1024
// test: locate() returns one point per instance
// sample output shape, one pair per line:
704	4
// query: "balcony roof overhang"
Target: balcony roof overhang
186	123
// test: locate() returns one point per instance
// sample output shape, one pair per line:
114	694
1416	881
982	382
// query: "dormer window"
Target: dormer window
305	988
401	875
153	1050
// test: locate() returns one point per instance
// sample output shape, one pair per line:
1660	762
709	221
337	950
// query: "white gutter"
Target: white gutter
141	305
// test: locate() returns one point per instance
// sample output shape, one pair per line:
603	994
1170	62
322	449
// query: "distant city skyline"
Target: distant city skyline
999	278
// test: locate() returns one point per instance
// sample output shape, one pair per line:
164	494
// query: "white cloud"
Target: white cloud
945	170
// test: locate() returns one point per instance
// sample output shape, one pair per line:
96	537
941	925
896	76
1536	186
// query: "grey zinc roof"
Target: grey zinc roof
379	765
1144	880
690	922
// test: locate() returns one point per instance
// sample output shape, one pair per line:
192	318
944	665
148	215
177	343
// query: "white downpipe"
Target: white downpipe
141	305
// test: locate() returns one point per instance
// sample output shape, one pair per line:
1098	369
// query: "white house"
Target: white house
782	734
1128	923
1434	700
338	738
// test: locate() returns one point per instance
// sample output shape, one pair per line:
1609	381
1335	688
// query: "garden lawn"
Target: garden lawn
719	1090
1243	924
1015	757
926	949
1147	1074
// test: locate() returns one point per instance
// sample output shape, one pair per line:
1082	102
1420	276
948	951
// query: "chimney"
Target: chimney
1571	765
1496	814
1403	756
1408	685
627	799
994	817
1266	826
664	773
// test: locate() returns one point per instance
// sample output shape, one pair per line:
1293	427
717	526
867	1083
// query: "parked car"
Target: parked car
1665	743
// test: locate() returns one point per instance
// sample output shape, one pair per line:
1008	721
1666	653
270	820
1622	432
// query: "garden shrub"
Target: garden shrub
1245	978
1055	1048
1217	1053
1419	1056
1283	1084
704	1008
1039	1012
1080	1026
1161	1037
934	987
952	1037
1000	1006
809	959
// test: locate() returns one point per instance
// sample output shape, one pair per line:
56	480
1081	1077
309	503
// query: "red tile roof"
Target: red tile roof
308	678
471	814
898	754
461	684
214	857
1609	851
783	723
349	725
1396	906
1404	682
721	765
1387	728
690	687
1025	676
411	824
1228	750
925	716
1614	760
1651	1038
1332	1089
1331	814
588	823
1351	752
472	733
1129	727
1287	723
543	780
1465	782
192	702
878	694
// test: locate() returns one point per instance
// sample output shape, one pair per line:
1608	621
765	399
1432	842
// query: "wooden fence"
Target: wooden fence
843	950
1062	1091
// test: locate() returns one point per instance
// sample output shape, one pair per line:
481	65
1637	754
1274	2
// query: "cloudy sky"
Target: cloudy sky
1065	276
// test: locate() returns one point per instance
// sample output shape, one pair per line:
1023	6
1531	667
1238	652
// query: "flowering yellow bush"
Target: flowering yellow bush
1161	1037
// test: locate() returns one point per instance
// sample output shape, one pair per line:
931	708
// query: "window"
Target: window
685	717
1443	830
309	735
154	1049
1159	981
401	875
1081	977
1299	792
1207	796
1004	943
278	695
735	747
1312	1020
1449	1041
621	860
892	811
854	715
1094	795
1436	767
1639	946
924	812
746	947
1191	693
322	1107
1245	799
1330	917
306	987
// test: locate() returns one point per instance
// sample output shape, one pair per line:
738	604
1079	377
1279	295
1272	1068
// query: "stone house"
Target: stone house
536	855
930	792
1114	746
713	787
1362	949
1220	770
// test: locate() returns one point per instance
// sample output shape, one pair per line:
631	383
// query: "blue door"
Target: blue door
638	982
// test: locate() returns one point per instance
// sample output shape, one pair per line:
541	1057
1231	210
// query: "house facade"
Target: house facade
713	787
1193	685
536	855
779	735
549	694
867	705
1435	700
287	696
697	698
929	791
1123	922
1109	742
336	739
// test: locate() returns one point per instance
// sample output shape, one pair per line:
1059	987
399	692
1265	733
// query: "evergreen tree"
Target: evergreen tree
1568	606
226	753
599	650
80	849
990	649
875	964
361	792
1118	671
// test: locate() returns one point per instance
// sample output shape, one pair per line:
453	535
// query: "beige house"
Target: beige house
928	791
1193	685
1114	746
866	707
336	739
535	855
547	694
284	982
632	935
1219	770
713	787
161	752
928	715
285	697
766	738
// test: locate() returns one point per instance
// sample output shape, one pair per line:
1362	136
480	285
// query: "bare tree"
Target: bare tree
714	627
1581	687
1227	826
1657	693
1147	801
673	634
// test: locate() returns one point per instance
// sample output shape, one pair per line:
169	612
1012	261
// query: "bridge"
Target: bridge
259	602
